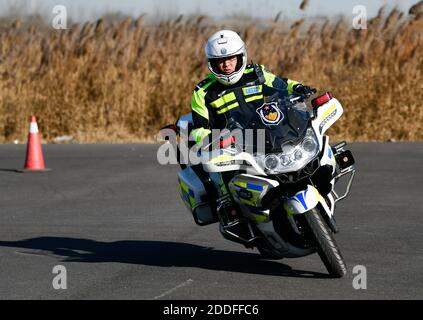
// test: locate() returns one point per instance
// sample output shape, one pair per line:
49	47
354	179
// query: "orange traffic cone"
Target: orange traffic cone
34	161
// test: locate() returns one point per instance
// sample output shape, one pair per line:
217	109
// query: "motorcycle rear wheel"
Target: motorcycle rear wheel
325	244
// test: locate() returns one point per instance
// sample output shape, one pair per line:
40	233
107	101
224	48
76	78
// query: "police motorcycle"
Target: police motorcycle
280	198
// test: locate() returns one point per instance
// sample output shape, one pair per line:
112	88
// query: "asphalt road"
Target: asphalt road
111	215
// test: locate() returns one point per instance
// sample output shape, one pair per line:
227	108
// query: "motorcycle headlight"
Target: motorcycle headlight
293	158
271	162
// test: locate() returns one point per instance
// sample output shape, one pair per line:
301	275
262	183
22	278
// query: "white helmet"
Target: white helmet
222	44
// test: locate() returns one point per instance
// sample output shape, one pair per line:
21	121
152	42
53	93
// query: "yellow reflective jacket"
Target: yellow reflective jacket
210	102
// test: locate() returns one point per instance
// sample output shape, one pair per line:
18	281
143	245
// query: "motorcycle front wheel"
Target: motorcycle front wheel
325	244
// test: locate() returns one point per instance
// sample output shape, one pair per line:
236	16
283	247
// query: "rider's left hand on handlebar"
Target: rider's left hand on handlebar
304	90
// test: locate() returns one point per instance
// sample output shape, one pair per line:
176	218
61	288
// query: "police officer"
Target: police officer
227	61
230	86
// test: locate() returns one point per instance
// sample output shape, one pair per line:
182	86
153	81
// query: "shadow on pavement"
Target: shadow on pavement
157	253
9	170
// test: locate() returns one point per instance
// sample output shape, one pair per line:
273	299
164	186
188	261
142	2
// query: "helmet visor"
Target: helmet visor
227	65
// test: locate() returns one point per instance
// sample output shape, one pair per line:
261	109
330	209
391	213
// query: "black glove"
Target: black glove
304	90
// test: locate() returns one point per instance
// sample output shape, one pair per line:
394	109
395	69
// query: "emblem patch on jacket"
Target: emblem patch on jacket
270	113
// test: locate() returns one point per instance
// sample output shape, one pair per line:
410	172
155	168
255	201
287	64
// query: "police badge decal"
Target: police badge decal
270	114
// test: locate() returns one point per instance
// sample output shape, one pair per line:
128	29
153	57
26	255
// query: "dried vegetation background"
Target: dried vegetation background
120	81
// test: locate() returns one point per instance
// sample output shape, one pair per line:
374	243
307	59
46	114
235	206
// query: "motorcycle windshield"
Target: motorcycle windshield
284	119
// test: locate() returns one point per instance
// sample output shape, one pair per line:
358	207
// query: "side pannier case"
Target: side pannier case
194	195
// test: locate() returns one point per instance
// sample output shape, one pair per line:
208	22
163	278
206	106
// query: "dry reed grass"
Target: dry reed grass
120	81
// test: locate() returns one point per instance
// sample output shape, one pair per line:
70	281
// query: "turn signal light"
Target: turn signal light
317	102
226	142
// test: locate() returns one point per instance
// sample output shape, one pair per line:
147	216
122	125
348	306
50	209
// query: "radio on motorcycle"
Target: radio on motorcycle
284	189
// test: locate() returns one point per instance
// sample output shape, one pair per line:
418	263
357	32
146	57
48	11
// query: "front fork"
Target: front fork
310	198
307	200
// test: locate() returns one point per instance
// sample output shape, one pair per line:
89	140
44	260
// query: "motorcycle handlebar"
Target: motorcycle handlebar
298	96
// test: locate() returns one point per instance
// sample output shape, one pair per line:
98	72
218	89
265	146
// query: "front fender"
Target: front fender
303	201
